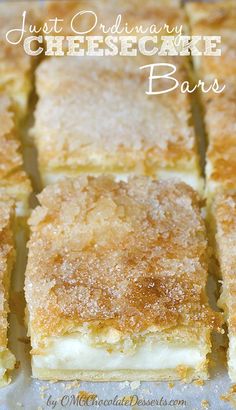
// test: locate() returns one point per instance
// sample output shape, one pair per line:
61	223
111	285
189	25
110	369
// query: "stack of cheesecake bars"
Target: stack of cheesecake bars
115	283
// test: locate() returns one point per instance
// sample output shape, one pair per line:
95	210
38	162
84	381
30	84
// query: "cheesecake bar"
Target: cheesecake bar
218	19
224	211
13	179
15	65
7	257
115	281
220	115
215	19
94	116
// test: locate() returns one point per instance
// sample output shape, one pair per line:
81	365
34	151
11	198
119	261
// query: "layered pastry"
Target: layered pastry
7	256
215	19
115	281
13	179
15	65
94	116
224	210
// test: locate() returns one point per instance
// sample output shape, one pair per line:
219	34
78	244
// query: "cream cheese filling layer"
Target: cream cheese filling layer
192	179
54	177
71	352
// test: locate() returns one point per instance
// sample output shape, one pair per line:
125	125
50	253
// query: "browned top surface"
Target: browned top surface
127	255
93	112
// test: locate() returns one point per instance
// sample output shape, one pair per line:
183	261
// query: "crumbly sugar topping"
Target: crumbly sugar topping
91	113
126	255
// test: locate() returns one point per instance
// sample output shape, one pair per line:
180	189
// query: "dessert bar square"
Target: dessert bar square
220	119
94	116
115	281
220	109
7	257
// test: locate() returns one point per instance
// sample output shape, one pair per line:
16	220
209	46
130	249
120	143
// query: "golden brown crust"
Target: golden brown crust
180	373
93	115
6	261
13	180
123	255
217	19
225	219
220	124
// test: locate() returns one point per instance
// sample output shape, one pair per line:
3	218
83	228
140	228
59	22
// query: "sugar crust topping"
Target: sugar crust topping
127	255
93	114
